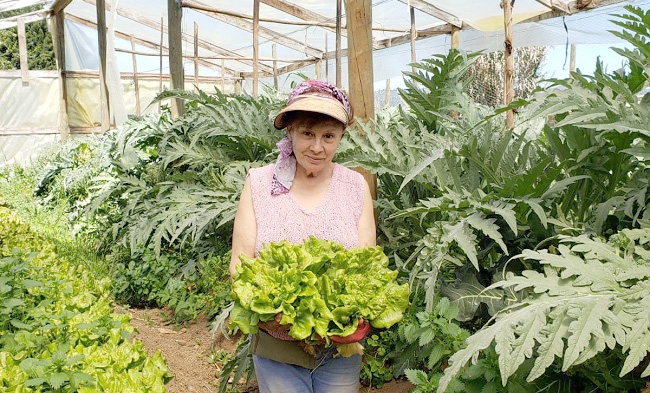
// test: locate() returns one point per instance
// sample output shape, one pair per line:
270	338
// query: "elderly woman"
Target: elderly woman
305	194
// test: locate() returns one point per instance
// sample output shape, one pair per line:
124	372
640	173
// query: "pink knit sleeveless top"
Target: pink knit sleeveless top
336	218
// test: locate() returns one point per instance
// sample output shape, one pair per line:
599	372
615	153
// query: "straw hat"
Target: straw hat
319	97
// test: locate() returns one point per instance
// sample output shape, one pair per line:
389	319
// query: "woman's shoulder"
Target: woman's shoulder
262	171
348	175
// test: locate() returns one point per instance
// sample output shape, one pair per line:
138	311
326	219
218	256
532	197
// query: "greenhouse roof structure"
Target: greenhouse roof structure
298	35
240	45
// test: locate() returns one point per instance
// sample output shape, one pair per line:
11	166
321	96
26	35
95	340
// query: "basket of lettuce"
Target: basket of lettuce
319	288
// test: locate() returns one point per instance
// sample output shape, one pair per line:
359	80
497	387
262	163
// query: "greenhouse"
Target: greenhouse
489	232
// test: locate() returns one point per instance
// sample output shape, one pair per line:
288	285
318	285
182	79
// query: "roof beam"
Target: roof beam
59	5
434	11
139	41
12	21
302	13
263	31
18	4
186	37
574	6
555	5
421	34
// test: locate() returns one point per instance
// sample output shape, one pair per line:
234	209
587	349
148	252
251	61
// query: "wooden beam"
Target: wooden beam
269	34
16	5
22	51
414	36
186	37
59	5
103	87
455	37
434	11
421	34
12	21
175	37
360	75
555	5
196	56
303	13
338	53
256	46
136	85
574	7
58	36
275	66
509	90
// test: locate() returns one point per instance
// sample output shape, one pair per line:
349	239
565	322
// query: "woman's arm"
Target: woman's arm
367	228
244	231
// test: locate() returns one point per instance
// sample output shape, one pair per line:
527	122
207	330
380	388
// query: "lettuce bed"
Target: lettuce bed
57	332
320	288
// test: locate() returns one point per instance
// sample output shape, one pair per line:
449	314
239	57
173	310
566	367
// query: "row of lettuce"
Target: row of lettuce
58	331
526	250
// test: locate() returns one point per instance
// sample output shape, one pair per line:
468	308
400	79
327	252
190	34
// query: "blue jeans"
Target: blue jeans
333	375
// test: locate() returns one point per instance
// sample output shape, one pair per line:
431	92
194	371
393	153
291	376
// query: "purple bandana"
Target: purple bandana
285	168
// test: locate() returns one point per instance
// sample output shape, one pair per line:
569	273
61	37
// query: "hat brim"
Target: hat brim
326	106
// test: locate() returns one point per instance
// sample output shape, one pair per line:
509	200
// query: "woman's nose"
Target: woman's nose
316	145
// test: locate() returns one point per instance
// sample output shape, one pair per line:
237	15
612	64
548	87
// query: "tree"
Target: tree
40	50
487	74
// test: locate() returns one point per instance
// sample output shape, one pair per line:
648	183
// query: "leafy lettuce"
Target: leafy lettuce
320	288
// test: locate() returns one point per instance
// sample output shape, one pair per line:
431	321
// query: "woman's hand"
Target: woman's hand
274	324
362	330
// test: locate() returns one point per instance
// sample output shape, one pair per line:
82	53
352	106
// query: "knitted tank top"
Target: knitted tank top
281	217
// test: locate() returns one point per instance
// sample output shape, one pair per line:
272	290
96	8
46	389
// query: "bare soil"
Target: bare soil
190	353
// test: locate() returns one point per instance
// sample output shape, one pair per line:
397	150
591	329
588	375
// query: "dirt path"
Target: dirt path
191	357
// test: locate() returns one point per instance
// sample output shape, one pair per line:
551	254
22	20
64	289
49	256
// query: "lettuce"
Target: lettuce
320	288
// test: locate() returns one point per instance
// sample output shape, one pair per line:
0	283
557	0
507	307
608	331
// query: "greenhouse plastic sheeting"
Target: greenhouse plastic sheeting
483	30
40	94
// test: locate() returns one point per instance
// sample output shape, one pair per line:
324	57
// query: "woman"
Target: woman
305	194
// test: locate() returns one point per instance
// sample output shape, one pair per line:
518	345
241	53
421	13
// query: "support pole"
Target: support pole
136	85
275	67
414	36
162	44
327	63
455	37
103	88
59	51
256	46
22	51
360	76
509	91
196	56
387	99
339	13
572	60
175	36
223	75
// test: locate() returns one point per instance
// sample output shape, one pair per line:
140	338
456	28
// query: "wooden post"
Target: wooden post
59	52
196	56
256	49
339	12
174	19
318	67
360	75
238	83
22	51
572	60
414	36
509	91
103	88
136	85
275	67
223	74
162	44
327	63
387	103
455	37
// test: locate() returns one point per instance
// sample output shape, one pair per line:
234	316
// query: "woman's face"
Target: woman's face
315	139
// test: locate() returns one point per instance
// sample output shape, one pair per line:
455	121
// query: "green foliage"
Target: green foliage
591	296
40	50
377	367
57	332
